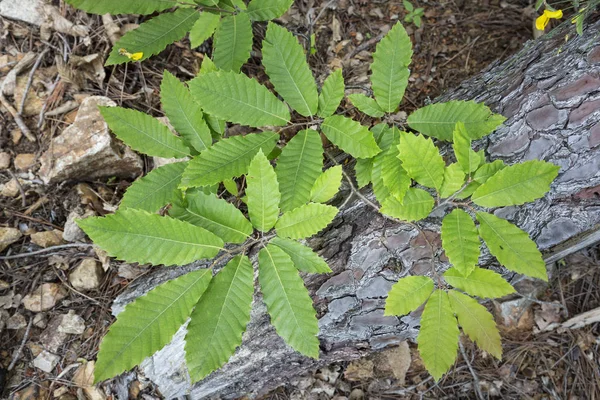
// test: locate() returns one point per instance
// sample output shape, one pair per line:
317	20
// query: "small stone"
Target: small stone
51	338
10	188
86	150
8	236
34	348
24	162
60	391
45	297
15	322
72	323
47	238
16	136
72	231
357	394
4	285
394	361
40	320
87	275
29	11
4	160
46	361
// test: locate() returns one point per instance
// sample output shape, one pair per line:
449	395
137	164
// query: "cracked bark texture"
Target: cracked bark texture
550	93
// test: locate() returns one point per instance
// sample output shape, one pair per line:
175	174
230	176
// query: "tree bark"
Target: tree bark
550	93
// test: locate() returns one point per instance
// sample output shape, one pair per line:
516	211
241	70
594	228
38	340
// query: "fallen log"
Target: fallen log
550	93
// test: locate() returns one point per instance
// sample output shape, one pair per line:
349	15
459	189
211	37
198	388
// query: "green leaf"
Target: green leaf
154	190
305	221
210	3
263	193
303	257
469	190
298	167
477	323
488	170
233	42
467	158
390	68
327	185
362	170
207	66
220	318
460	241
366	105
511	246
288	301
408	5
417	205
213	214
143	7
143	133
439	120
394	177
238	99
331	94
480	282
184	113
231	187
138	236
438	337
226	159
203	28
149	323
421	160
154	35
408	294
265	10
232	5
454	178
516	184
286	66
350	136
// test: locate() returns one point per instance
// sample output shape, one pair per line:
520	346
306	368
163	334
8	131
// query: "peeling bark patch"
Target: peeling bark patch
557	231
582	86
580	114
510	144
594	55
588	193
543	118
594	137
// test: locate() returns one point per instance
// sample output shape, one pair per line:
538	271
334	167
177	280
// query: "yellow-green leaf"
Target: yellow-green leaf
263	193
511	246
350	136
331	94
480	282
327	185
421	160
438	337
460	241
416	205
408	294
233	42
305	221
476	321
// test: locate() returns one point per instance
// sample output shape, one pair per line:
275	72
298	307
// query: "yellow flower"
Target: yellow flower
135	56
542	20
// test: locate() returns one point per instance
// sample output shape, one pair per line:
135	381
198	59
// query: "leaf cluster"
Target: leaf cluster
229	197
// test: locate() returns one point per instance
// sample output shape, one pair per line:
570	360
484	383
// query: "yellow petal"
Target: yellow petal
558	14
136	56
541	22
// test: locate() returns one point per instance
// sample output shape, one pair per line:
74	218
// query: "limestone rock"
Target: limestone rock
51	338
8	236
25	161
47	238
15	322
72	232
72	323
86	149
10	188
24	10
45	297
46	361
87	275
4	160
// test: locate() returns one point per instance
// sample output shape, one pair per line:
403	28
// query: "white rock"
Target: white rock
87	275
72	231
23	10
40	320
72	323
10	188
45	297
46	361
4	160
47	238
86	149
15	322
8	236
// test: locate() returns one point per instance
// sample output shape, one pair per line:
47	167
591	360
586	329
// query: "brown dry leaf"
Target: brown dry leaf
549	314
359	370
